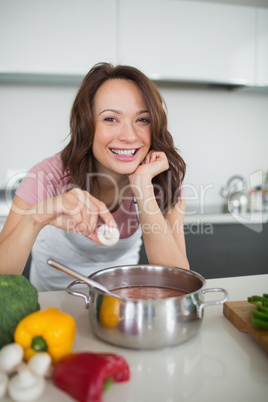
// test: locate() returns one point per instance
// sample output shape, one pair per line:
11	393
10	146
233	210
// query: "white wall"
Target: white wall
219	133
34	123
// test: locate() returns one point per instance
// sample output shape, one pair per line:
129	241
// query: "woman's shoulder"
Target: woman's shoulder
44	180
51	164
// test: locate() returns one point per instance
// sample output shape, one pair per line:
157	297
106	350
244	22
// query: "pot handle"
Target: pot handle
79	294
212	302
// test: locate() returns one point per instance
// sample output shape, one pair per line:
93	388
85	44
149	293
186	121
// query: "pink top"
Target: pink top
45	180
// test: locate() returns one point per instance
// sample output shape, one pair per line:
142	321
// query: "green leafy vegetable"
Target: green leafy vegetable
18	298
260	314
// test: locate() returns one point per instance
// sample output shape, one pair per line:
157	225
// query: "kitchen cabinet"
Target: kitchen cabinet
262	47
229	250
189	41
56	37
185	41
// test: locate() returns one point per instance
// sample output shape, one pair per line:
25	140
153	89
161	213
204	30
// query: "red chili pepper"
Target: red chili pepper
84	375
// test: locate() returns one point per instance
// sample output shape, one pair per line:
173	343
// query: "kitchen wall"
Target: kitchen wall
219	132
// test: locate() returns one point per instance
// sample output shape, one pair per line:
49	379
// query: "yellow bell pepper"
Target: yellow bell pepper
48	330
109	311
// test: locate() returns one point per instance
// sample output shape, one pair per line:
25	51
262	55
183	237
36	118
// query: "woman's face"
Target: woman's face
122	127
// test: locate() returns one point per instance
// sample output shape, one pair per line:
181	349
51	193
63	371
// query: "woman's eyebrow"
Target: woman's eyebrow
110	110
119	111
143	111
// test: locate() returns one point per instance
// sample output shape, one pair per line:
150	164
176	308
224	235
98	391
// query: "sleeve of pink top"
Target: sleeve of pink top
43	181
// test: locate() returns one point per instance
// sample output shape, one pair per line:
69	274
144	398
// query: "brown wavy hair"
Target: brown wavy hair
77	156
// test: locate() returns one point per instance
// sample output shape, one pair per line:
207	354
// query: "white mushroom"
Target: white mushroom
10	357
40	364
108	235
25	386
3	383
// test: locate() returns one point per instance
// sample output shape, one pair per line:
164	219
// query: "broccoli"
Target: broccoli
18	298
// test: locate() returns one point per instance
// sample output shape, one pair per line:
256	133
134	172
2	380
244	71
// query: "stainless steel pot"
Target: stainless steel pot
151	323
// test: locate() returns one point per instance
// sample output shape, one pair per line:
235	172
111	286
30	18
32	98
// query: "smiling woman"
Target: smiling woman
120	168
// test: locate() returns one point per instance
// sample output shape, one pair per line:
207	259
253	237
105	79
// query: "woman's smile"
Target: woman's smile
124	154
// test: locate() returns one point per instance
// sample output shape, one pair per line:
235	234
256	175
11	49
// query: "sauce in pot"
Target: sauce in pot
148	292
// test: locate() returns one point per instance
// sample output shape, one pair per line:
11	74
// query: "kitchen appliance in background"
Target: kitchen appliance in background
265	193
236	199
256	199
14	178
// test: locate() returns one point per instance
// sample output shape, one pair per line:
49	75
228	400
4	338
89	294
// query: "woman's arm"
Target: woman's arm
75	211
17	238
163	235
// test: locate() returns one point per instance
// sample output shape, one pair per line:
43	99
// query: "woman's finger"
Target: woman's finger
79	211
106	215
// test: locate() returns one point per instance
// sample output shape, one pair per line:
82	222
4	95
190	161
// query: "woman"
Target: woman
119	168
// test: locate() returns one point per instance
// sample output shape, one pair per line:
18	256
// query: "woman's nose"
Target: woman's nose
127	133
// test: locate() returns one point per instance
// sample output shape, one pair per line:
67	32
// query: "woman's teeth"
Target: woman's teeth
127	152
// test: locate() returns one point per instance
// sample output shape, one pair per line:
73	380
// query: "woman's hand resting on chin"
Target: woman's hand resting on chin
154	163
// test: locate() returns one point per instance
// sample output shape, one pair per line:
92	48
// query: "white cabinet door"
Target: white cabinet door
56	36
262	48
191	41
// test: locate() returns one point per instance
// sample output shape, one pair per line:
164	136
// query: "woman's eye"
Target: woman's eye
144	120
110	119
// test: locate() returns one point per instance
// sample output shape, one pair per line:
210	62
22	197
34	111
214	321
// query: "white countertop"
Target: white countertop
256	218
249	218
219	364
194	215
